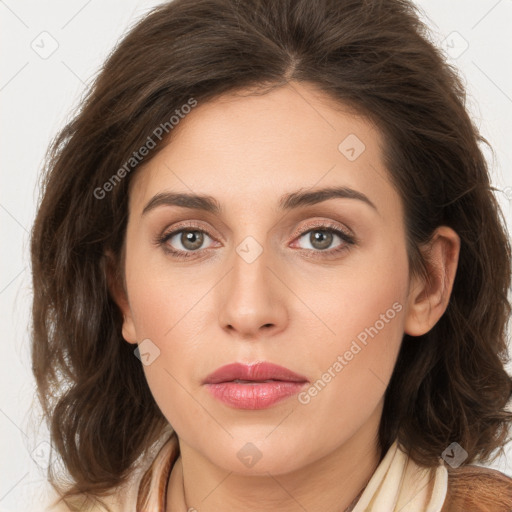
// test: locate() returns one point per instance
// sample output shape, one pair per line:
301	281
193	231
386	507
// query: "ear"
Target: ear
118	293
429	297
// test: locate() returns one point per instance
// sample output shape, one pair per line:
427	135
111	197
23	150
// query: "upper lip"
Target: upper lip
255	372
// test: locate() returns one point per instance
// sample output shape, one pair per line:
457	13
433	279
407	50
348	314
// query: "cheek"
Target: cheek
180	403
158	300
168	312
353	372
364	309
351	300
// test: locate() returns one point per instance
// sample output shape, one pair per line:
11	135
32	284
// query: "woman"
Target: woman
270	272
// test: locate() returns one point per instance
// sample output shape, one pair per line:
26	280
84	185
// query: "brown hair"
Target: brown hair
374	56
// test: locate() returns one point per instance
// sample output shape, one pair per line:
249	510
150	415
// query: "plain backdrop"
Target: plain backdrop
50	52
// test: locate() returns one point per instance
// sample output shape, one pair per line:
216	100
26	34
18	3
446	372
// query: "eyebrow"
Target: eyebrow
288	201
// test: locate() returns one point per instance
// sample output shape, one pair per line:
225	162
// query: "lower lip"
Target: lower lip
257	395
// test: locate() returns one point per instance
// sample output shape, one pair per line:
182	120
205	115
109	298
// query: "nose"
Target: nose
252	300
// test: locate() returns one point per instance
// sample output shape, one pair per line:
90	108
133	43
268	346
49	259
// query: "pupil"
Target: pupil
321	239
192	239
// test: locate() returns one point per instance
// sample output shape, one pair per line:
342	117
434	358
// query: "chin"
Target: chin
258	454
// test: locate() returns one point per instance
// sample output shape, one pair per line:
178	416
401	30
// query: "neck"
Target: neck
330	483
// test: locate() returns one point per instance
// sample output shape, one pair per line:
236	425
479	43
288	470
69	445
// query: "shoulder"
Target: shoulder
478	489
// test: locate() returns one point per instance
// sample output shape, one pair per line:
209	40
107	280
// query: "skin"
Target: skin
287	306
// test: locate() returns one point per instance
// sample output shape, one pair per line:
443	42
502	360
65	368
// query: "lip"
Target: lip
253	386
255	372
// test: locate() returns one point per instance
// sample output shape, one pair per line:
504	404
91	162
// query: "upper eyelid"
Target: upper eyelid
171	231
323	224
316	223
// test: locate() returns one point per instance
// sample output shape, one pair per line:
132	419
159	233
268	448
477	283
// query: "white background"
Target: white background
37	96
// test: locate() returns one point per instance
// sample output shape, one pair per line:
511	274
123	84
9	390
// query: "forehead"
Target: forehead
248	148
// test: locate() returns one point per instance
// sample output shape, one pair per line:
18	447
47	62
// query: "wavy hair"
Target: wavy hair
375	56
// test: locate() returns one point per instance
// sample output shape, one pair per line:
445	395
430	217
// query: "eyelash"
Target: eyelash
348	240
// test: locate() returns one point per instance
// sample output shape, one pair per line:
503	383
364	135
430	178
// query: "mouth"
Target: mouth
255	386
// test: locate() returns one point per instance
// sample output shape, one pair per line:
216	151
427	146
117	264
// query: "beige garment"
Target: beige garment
397	485
400	485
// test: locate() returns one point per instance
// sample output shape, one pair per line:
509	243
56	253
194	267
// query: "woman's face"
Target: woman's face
314	282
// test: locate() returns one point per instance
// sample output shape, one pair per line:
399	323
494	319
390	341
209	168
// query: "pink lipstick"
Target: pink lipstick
255	386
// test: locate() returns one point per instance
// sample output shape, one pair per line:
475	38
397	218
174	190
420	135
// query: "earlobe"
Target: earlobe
429	296
128	330
118	293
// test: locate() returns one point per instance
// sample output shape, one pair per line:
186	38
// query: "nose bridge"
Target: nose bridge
251	299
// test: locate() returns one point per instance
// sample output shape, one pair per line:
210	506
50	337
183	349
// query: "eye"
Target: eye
190	241
321	238
182	243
